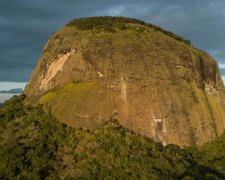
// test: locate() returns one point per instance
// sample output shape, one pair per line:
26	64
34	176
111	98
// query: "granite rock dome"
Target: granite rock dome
151	80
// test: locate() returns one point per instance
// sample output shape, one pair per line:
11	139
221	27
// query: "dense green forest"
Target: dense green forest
34	145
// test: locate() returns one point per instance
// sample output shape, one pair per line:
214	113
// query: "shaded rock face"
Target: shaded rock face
148	81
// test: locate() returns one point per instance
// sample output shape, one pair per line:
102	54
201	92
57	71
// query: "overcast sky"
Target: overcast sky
25	26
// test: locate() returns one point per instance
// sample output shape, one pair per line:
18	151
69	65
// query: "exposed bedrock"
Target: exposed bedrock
150	82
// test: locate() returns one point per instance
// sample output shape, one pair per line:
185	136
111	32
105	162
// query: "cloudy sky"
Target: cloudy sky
25	26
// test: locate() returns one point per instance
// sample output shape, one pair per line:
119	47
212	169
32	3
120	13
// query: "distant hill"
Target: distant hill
1	104
13	91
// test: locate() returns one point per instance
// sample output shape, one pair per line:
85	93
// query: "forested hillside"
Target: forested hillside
34	145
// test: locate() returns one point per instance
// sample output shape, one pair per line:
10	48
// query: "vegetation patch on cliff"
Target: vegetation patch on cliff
73	103
109	23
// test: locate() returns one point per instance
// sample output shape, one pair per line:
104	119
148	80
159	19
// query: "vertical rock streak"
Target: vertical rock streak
124	94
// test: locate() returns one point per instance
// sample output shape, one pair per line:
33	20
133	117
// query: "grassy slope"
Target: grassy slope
75	101
35	145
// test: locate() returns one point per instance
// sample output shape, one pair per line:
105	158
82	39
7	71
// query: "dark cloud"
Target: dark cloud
25	25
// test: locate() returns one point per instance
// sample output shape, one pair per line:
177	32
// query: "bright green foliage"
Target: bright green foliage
213	154
28	141
34	145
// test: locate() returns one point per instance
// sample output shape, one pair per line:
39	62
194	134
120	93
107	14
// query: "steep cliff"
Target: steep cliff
152	81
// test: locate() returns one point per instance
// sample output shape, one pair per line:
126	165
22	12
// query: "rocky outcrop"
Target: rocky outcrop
150	82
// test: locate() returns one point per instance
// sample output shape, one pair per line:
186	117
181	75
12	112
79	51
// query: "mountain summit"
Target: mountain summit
151	80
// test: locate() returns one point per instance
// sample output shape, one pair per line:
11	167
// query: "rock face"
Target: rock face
152	81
